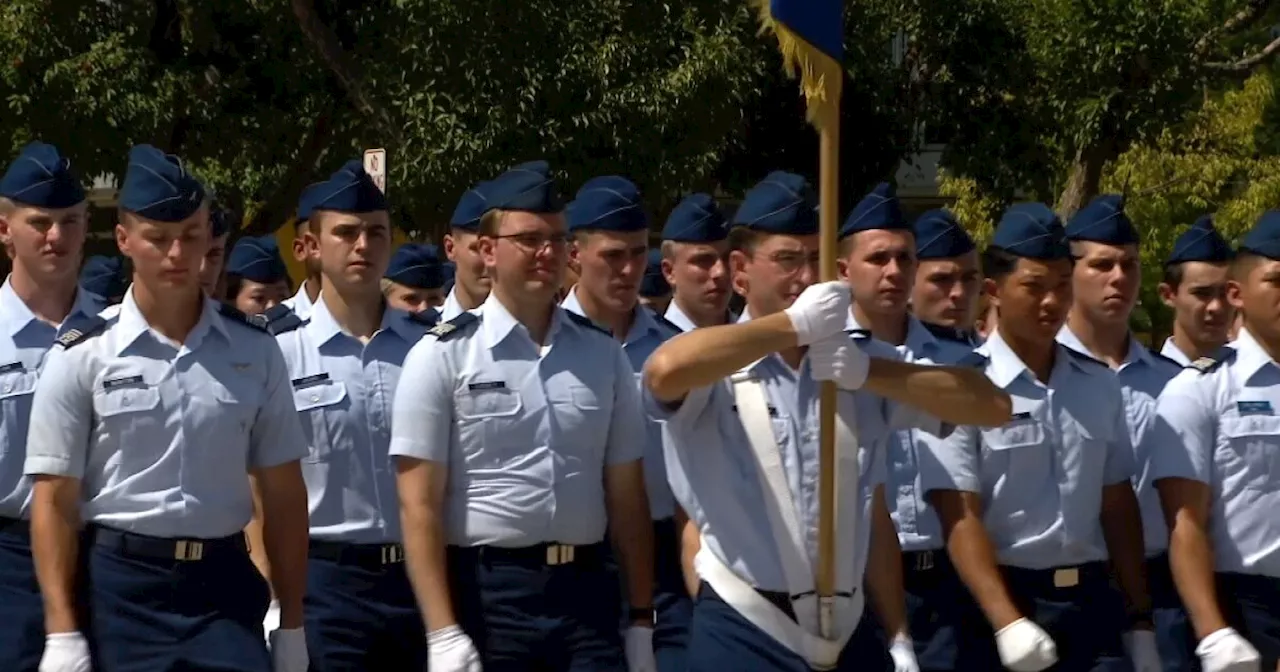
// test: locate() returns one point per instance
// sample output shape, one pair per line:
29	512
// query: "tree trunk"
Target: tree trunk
280	205
1085	178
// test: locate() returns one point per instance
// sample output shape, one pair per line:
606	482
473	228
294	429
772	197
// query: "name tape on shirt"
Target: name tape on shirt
487	385
773	410
1253	407
11	367
121	382
308	381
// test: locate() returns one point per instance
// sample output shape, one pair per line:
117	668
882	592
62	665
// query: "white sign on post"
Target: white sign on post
375	163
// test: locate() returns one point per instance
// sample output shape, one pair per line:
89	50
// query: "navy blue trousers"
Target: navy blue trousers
152	613
948	629
525	616
1086	620
1175	637
1251	605
21	608
670	599
361	614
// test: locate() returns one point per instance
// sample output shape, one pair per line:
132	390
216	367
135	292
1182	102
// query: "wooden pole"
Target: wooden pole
828	215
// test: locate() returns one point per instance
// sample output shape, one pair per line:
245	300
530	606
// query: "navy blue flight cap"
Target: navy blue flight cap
608	203
878	210
782	203
158	187
350	189
654	283
104	276
470	208
257	259
1103	221
1264	238
417	266
1031	230
447	270
528	187
696	219
41	177
1201	242
940	236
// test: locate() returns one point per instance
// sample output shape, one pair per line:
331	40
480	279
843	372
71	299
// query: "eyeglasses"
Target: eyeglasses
790	262
537	242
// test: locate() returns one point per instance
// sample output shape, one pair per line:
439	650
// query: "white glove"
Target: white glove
903	653
820	311
450	650
1141	647
65	652
1222	651
272	620
1025	647
840	360
639	648
289	650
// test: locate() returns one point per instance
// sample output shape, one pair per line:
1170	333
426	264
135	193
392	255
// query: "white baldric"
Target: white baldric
803	635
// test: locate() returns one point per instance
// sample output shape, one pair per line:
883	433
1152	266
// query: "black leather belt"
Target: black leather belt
540	555
159	548
362	555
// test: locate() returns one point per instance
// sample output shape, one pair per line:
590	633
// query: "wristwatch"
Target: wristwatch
642	614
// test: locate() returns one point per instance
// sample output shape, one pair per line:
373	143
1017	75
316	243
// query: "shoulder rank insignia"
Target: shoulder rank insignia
447	330
585	321
1207	364
238	317
280	319
81	330
427	318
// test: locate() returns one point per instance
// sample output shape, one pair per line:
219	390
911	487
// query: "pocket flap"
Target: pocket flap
122	400
1018	434
319	396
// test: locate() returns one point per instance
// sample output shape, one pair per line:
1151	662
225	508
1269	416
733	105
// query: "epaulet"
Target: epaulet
947	333
859	334
81	329
973	360
1085	358
1207	364
584	321
447	330
427	318
665	322
280	319
258	322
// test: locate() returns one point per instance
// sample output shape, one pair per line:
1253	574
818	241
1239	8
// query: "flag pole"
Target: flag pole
810	35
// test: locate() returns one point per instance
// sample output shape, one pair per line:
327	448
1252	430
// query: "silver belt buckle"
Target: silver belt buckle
1067	577
188	550
392	554
559	554
924	561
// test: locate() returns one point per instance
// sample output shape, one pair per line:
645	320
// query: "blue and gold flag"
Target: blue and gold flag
811	36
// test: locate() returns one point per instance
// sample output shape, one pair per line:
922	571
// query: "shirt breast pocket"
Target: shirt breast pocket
16	390
318	408
132	421
583	415
489	422
1254	442
1015	469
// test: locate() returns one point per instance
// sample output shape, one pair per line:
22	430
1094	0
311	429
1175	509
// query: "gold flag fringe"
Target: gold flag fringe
821	77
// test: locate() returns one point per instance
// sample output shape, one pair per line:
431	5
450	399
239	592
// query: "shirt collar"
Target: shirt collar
919	341
1250	357
642	321
676	316
1137	354
1172	351
323	327
17	315
131	324
497	323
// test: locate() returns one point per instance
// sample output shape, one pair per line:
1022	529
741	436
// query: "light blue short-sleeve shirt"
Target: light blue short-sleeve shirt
1041	474
645	335
300	303
161	434
25	342
1219	422
526	431
344	391
714	476
1142	377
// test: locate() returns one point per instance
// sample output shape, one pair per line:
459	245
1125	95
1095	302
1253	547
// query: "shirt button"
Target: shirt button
8	388
125	402
315	398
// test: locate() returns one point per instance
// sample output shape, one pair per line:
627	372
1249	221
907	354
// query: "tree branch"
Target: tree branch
278	205
348	73
1248	63
1237	22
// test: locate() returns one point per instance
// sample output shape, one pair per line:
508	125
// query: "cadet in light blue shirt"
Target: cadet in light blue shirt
611	232
345	362
519	441
414	281
695	246
878	257
257	279
740	453
655	292
212	279
146	424
1046	497
1218	476
1105	282
306	254
470	282
42	207
948	278
1195	287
